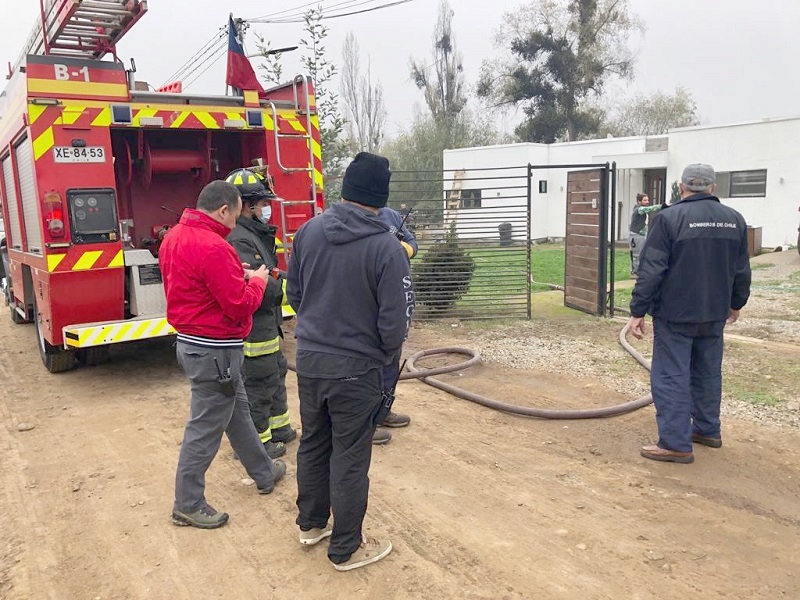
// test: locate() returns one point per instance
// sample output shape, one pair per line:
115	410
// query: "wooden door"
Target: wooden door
586	248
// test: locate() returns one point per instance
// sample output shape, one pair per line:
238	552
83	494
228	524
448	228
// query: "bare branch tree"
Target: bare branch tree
364	107
653	114
444	90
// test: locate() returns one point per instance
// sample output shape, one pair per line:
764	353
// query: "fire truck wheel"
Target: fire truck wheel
15	316
55	359
91	357
8	296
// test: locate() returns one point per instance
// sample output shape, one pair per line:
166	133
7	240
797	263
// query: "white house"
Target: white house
758	174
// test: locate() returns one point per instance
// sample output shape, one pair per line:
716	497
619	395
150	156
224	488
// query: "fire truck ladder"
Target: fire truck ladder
302	105
83	28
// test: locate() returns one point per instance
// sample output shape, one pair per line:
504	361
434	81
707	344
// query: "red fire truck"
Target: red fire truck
94	171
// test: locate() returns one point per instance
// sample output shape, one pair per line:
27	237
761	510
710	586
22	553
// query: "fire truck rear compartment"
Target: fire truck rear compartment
160	172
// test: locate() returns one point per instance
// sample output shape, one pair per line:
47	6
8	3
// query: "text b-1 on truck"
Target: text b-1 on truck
93	173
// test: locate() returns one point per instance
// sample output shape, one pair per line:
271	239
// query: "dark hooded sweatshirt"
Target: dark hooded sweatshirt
351	287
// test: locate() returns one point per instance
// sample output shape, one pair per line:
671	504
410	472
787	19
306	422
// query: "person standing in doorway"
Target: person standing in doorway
210	303
693	277
347	281
638	229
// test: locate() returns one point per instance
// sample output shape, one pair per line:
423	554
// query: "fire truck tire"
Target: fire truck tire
15	316
91	357
55	359
8	296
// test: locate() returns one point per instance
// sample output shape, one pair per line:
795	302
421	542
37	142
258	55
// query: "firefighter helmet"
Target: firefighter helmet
250	185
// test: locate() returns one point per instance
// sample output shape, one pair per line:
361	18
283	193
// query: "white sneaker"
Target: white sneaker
315	535
370	551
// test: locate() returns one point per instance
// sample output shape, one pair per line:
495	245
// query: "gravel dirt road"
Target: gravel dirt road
478	504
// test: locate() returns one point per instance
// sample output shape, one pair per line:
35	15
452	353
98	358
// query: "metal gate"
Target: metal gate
586	241
473	231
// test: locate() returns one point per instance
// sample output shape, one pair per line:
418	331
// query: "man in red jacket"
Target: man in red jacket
210	302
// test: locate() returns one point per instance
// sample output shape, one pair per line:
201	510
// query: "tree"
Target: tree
416	159
363	101
653	114
272	66
442	276
675	194
322	71
331	124
447	123
444	90
560	55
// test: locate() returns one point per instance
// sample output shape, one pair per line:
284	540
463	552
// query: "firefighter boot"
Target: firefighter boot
284	434
275	449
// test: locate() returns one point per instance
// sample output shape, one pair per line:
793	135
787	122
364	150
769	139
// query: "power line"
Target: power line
208	45
299	10
323	16
216	43
212	61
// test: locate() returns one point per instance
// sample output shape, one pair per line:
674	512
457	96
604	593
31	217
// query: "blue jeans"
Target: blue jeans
686	381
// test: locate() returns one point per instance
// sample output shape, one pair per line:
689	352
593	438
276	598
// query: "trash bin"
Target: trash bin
753	240
505	234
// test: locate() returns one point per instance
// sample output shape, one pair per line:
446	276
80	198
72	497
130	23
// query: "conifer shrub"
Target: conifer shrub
443	274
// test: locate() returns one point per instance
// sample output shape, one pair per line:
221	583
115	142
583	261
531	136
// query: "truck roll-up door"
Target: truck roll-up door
30	202
13	231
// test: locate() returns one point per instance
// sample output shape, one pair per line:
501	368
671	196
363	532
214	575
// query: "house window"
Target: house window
470	198
742	184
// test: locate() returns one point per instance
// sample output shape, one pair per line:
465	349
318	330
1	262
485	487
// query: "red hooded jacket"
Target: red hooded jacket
207	295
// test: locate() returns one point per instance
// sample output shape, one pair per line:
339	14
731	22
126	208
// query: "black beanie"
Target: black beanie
366	180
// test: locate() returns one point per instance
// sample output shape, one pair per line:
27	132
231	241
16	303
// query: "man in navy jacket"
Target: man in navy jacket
349	282
694	275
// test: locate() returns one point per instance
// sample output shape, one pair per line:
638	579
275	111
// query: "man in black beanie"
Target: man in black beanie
350	284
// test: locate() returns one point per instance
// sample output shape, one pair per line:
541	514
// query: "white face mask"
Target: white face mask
266	213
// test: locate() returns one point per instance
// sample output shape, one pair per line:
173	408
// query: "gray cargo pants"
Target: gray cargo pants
212	412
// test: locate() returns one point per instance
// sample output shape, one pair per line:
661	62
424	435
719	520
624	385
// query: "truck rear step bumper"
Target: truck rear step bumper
113	332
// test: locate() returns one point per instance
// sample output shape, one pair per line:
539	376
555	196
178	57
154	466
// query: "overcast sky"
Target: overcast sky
737	56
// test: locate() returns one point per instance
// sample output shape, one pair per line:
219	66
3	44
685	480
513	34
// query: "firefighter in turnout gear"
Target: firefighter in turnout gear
264	364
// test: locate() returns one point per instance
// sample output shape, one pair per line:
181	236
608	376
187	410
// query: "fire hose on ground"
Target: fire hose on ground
473	358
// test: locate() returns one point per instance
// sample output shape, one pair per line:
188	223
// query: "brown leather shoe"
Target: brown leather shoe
664	455
706	441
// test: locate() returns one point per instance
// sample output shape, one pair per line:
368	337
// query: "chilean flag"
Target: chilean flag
240	72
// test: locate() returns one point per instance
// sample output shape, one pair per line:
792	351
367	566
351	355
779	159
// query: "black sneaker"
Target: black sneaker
284	434
275	449
203	518
279	469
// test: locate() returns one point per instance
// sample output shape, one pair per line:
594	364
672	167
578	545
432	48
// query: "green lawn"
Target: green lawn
501	272
547	266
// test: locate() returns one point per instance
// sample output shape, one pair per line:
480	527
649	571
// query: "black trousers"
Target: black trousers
335	451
